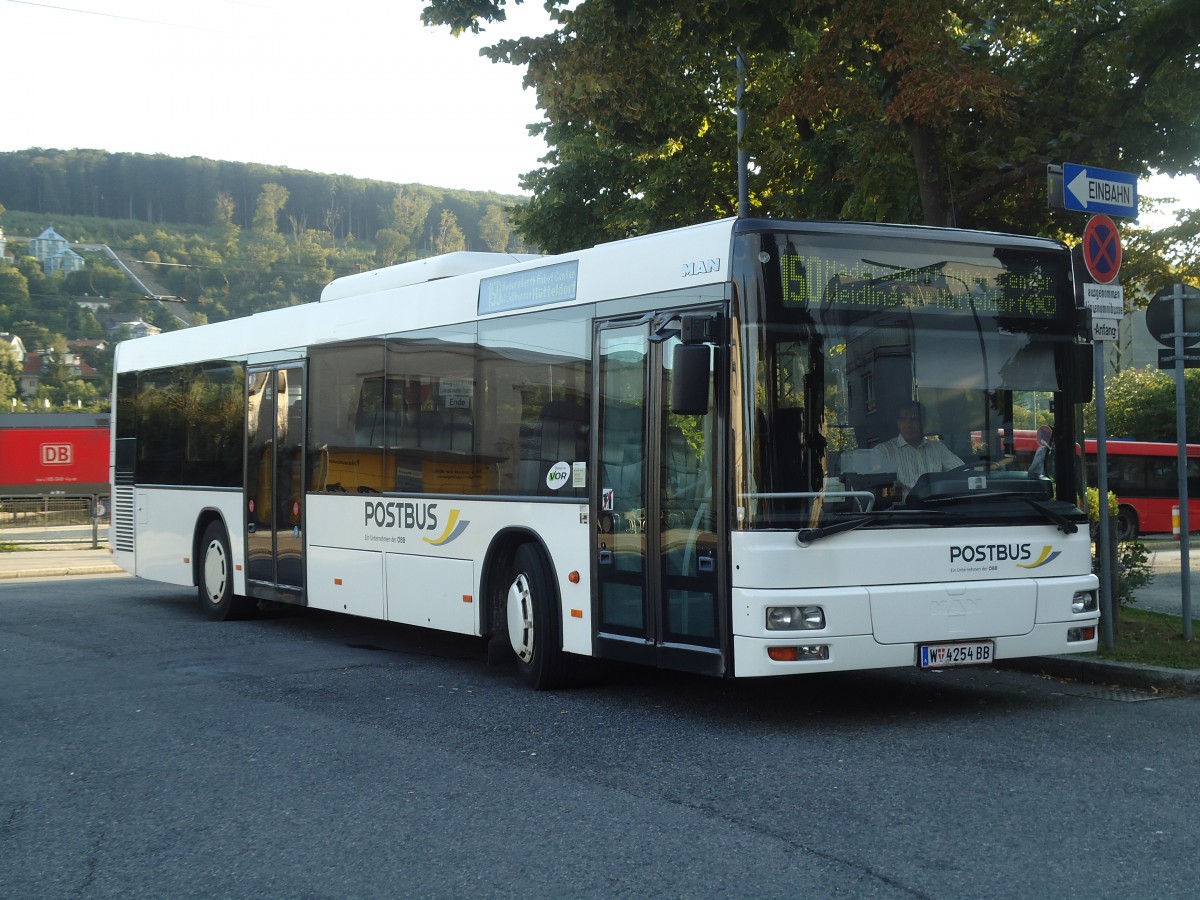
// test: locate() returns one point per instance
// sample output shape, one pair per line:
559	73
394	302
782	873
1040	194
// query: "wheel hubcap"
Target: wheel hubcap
215	572
520	618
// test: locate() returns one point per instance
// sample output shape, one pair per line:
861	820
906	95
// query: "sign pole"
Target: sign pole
1185	537
1102	545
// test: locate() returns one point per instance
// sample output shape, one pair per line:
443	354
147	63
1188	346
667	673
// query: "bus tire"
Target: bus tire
531	610
214	577
1127	524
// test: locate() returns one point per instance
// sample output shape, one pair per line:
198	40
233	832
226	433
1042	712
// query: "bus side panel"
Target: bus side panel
1155	513
345	581
165	526
433	593
429	551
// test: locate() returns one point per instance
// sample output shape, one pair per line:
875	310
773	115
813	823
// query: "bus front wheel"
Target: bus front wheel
214	583
531	610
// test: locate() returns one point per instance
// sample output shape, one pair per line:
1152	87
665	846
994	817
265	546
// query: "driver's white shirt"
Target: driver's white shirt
912	462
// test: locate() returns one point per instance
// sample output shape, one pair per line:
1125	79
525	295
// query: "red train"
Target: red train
59	453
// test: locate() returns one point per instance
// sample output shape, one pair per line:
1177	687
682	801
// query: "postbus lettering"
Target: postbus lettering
400	514
990	552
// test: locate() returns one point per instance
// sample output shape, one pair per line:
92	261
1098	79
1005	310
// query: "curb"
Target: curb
64	570
1102	671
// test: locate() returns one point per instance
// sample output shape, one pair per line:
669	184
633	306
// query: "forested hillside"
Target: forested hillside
162	189
226	239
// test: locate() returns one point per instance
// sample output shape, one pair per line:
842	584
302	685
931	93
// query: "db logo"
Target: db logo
57	454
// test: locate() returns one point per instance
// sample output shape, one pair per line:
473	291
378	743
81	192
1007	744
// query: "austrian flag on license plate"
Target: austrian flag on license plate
968	653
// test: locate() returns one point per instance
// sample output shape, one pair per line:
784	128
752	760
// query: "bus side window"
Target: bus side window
562	430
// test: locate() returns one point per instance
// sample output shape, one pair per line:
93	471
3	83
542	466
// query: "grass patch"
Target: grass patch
1153	639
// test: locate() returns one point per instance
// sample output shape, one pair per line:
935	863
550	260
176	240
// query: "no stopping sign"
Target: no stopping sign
1102	249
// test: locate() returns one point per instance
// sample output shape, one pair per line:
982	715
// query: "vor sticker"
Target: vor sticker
558	476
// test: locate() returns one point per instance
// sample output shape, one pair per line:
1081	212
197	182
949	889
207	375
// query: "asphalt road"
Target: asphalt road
1165	592
145	751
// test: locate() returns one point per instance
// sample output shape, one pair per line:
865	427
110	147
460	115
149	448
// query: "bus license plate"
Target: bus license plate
969	653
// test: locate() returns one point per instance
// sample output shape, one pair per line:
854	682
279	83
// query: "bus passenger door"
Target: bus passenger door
275	483
659	562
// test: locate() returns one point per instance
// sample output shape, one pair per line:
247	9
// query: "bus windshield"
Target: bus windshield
884	380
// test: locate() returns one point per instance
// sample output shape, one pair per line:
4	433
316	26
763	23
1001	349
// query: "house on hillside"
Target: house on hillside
36	362
52	250
133	328
3	246
95	304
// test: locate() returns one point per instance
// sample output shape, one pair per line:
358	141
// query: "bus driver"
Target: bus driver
910	453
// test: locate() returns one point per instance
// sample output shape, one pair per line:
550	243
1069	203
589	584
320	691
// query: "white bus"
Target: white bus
678	450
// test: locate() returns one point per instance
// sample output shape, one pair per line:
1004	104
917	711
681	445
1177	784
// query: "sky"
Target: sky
347	87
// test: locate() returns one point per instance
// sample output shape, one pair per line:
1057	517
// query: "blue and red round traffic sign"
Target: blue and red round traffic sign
1102	249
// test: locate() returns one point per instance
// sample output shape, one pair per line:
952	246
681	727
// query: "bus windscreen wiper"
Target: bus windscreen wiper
808	535
1065	525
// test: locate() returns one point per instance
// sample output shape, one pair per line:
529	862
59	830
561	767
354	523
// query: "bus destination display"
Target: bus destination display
940	287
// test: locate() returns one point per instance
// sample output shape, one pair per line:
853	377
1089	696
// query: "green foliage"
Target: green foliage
1154	639
1132	567
1139	404
14	287
250	248
127	193
866	109
1093	505
1133	570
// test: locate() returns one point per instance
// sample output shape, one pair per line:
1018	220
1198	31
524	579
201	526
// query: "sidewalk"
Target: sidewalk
57	560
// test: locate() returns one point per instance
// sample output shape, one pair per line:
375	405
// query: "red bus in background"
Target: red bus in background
54	453
1145	477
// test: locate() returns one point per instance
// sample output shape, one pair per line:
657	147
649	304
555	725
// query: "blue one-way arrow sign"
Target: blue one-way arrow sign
1091	190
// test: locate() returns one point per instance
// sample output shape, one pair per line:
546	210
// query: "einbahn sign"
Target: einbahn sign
1092	190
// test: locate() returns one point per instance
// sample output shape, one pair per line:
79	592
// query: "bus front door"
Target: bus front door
275	483
659	562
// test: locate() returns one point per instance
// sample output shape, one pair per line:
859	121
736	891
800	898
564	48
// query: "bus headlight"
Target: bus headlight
1084	601
795	618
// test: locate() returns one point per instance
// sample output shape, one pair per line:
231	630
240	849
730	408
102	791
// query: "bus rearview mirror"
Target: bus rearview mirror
1084	372
690	375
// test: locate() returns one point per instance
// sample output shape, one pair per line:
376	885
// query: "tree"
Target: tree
1139	404
10	371
225	209
14	287
266	212
409	211
934	112
389	246
448	237
495	229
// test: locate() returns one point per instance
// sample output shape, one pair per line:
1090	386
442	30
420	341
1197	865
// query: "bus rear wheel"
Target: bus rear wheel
531	610
1127	524
214	582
